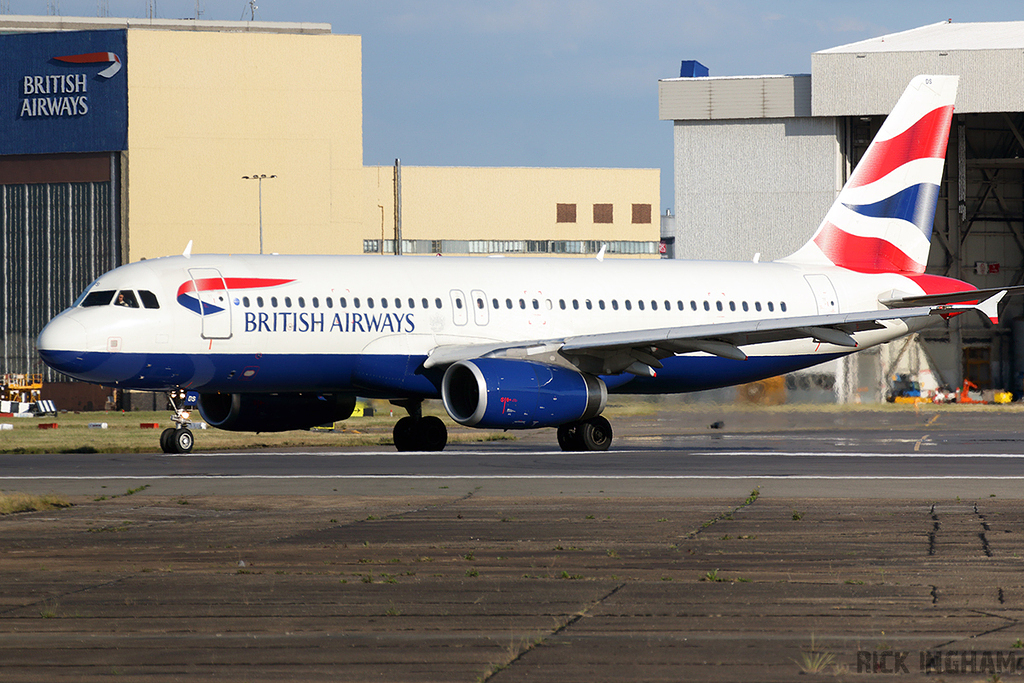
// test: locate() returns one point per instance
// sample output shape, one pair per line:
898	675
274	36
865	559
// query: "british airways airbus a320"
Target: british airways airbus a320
271	343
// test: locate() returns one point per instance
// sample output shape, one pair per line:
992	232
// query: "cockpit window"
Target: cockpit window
149	299
100	297
126	297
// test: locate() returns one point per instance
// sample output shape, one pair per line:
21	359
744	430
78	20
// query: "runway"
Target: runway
769	546
806	455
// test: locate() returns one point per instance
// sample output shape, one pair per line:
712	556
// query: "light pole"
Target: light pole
259	179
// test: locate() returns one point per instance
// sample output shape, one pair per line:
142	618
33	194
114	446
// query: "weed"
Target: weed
815	661
470	556
1018	644
797	516
854	582
612	553
712	576
590	516
472	571
11	503
570	577
392	611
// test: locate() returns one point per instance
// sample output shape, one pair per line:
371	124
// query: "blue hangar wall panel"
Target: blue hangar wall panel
64	92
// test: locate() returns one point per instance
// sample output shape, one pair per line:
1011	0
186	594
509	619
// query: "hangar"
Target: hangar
131	137
758	161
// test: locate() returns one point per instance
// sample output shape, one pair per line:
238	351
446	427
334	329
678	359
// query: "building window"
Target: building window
565	213
602	213
642	213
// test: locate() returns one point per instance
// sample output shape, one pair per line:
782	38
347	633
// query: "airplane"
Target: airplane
277	342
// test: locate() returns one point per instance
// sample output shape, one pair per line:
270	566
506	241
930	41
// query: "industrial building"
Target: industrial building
759	160
128	138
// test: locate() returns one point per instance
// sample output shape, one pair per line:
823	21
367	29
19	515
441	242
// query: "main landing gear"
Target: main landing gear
594	434
179	438
416	432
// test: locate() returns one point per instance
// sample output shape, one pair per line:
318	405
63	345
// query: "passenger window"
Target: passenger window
615	304
771	306
782	306
287	302
412	302
369	302
383	302
654	305
757	306
745	307
575	304
707	306
316	302
398	302
342	302
245	300
302	302
259	301
718	305
561	304
494	304
600	304
273	302
329	302
536	305
629	305
458	303
480	303
355	301
522	304
437	302
693	305
590	306
149	299
508	303
732	305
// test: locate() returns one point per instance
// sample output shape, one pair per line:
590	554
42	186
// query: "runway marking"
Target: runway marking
784	454
581	477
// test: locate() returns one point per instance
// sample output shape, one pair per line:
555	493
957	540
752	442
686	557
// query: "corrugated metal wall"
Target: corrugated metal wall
55	239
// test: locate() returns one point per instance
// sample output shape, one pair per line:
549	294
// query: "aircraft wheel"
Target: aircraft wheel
167	440
183	440
404	434
569	437
596	434
433	435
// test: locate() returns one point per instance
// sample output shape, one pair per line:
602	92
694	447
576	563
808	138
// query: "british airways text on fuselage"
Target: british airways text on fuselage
284	321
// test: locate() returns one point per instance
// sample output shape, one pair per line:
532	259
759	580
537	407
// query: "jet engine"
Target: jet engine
273	412
516	394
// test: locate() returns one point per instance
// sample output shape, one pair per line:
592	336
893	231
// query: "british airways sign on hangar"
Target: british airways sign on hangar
64	92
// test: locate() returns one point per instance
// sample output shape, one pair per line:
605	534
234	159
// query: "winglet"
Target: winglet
188	250
990	306
600	254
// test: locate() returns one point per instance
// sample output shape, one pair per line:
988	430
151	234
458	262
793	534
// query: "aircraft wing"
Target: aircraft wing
640	351
897	299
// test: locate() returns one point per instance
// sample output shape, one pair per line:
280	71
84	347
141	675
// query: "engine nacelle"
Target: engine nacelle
517	394
273	412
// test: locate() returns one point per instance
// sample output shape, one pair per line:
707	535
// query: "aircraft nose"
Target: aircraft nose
61	343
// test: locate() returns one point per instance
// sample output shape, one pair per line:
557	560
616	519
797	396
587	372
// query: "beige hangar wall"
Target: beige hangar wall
207	108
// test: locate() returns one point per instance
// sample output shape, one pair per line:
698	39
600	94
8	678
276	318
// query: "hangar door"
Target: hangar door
57	234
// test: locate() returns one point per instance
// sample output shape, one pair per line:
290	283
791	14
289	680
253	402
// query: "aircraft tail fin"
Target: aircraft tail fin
882	219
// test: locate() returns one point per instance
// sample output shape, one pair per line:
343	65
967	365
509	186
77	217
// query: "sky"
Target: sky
570	83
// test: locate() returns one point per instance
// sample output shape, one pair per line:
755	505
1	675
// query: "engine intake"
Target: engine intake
517	394
273	412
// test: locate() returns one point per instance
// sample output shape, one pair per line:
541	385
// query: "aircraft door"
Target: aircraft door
214	302
460	307
824	294
479	304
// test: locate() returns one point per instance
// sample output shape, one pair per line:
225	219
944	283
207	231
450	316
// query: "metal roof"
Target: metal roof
945	35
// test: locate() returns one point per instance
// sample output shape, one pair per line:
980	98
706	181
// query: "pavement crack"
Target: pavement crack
526	646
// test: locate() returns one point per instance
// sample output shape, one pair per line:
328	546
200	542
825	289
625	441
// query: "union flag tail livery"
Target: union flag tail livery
275	342
881	222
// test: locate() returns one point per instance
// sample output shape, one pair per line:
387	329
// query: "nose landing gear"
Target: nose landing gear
179	438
